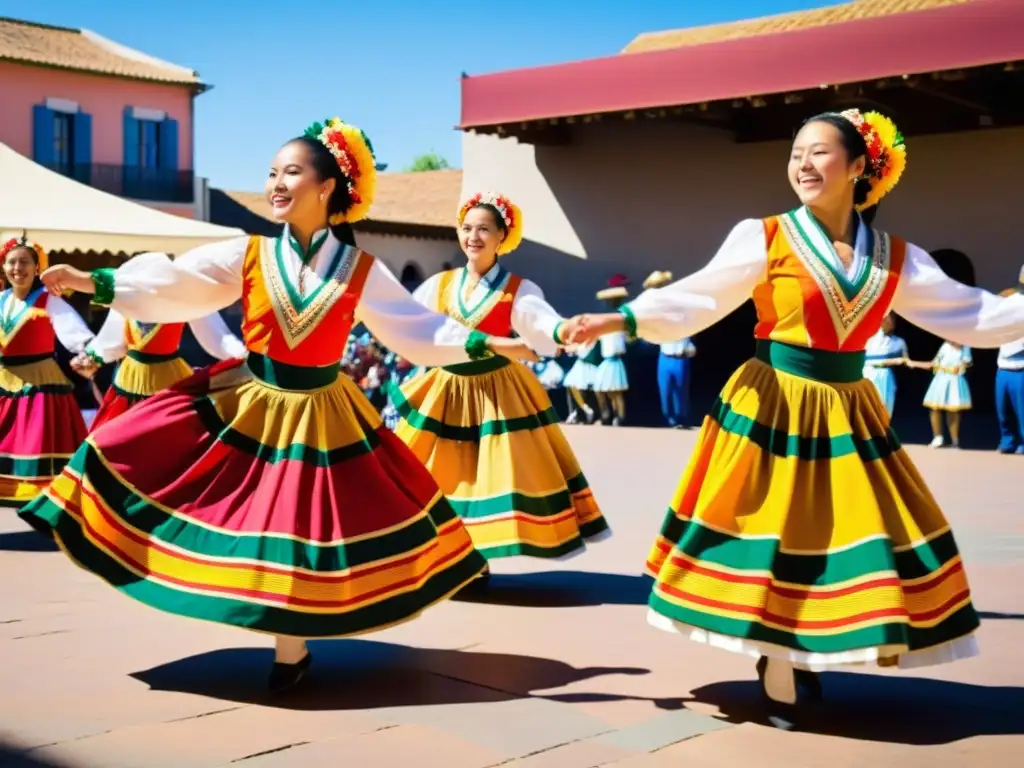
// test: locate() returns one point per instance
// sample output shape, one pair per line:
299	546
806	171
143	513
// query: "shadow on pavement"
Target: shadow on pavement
361	674
12	757
27	541
559	589
996	616
885	708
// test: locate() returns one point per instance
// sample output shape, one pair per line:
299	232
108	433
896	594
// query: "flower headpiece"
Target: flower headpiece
353	151
9	245
509	212
887	153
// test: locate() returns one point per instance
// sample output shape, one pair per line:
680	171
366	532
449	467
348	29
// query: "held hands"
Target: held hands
583	329
63	277
513	349
84	365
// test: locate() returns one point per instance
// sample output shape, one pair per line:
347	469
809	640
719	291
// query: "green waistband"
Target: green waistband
816	364
9	360
476	367
294	377
149	357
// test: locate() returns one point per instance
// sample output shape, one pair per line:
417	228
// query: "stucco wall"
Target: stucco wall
398	252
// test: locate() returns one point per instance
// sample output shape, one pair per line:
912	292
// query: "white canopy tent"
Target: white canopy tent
61	214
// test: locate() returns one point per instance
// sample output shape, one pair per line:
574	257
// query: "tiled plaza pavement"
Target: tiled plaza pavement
556	669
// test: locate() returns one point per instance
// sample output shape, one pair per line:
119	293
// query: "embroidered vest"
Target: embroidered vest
300	331
29	332
492	315
804	301
161	340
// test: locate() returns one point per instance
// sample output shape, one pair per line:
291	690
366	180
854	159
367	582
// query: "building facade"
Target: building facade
108	116
645	159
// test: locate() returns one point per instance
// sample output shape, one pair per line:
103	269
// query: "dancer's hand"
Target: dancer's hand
513	349
63	277
84	365
592	327
567	329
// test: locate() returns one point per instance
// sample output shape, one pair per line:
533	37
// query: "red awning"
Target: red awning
952	37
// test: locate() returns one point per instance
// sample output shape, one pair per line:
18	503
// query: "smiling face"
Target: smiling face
821	171
295	191
480	236
20	267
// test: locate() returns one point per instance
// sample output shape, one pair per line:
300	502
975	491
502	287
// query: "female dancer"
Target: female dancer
949	391
150	357
580	379
801	532
40	422
275	500
883	352
487	430
610	379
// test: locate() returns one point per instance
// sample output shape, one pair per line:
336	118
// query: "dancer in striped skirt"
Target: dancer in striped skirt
801	534
266	493
149	357
487	430
40	422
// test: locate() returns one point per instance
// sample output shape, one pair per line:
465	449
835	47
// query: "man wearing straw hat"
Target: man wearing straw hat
1010	388
674	365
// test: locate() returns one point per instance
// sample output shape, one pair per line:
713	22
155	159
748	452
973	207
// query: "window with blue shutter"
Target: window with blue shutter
42	134
130	169
131	138
169	144
81	137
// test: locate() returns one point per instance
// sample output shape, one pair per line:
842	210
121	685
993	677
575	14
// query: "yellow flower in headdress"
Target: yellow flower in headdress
887	153
353	151
509	212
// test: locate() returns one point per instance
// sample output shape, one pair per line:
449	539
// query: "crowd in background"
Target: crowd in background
372	367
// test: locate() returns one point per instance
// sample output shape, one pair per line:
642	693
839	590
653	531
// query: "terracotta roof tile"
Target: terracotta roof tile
427	198
84	51
786	22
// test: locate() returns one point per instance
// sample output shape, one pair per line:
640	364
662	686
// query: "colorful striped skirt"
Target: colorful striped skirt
140	375
801	530
40	427
284	510
490	436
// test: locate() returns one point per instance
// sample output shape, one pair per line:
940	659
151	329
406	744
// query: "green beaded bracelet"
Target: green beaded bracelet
630	318
103	283
476	346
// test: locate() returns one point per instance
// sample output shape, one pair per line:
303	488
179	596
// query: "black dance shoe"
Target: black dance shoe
781	715
285	676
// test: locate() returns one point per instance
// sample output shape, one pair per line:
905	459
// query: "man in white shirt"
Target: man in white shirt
1010	389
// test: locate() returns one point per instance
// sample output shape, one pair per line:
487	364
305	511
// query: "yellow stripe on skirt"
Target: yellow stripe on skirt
802	530
490	437
146	379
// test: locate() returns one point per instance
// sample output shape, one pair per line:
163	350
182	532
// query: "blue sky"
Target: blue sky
390	66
